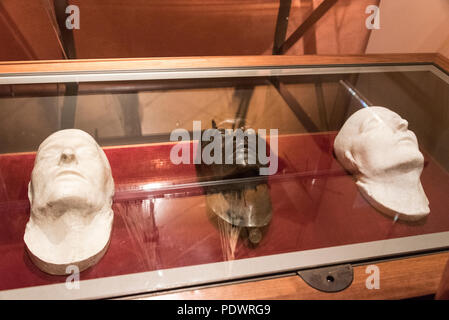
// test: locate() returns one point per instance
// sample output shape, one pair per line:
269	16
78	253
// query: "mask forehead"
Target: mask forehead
388	115
366	115
73	136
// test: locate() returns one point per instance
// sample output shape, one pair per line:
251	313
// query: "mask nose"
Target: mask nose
67	156
402	125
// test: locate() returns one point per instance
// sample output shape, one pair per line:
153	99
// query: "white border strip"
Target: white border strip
146	282
440	74
199	73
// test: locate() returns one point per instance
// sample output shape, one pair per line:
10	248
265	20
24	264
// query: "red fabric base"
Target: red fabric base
315	205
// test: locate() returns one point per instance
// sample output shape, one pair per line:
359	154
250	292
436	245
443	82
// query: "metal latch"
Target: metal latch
328	279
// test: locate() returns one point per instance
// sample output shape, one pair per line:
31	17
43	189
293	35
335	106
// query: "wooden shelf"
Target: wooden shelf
399	279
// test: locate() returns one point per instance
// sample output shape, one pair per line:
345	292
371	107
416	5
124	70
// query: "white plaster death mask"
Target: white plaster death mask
70	193
376	146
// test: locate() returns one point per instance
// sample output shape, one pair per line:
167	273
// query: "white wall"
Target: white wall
408	26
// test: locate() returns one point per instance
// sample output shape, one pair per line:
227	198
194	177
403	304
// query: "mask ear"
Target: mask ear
30	194
354	167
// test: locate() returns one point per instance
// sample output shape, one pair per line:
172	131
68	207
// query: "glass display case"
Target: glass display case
190	223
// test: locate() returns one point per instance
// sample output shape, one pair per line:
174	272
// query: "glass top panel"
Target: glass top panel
130	112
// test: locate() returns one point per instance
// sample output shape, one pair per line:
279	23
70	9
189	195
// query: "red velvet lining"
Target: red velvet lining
315	205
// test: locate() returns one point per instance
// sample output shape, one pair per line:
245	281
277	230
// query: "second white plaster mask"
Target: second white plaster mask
70	193
376	146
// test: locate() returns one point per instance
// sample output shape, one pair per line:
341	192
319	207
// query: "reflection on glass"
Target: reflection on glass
242	208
